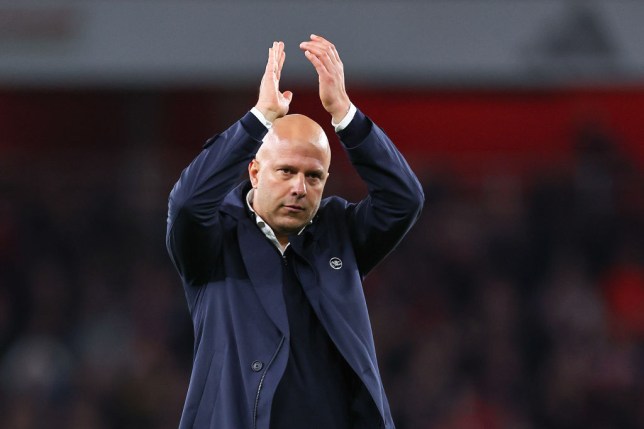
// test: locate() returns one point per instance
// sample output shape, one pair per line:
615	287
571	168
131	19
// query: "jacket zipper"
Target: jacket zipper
261	383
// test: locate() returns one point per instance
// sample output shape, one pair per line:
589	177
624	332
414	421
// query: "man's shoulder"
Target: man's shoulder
333	202
332	209
234	203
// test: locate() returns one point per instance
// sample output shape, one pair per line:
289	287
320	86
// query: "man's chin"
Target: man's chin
289	228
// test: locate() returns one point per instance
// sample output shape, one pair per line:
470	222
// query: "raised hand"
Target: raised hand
324	57
271	102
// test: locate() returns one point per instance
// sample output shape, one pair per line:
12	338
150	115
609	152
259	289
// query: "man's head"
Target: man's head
288	174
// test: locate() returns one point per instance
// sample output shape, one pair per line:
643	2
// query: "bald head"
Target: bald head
296	132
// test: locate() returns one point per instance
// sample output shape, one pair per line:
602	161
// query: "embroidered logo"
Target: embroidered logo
336	263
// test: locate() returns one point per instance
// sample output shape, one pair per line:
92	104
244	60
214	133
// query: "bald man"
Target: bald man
272	272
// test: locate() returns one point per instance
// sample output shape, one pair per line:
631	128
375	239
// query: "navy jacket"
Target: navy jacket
232	274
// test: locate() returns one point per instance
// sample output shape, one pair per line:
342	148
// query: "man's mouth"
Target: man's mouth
294	208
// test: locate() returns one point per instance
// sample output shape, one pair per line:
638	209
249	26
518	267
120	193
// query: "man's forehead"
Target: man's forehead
296	150
299	161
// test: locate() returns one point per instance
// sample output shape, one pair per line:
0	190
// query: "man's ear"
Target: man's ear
253	169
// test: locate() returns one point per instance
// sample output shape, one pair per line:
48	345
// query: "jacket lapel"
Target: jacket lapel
264	268
303	246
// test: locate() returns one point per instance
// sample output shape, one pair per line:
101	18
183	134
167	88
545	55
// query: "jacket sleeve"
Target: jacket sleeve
395	199
193	235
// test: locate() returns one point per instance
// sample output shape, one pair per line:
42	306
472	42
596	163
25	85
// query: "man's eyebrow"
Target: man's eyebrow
282	165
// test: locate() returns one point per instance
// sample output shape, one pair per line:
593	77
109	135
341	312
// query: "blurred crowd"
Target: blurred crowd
516	301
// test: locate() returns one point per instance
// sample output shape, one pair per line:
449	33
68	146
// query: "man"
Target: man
273	274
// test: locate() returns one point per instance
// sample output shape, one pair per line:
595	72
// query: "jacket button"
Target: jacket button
257	366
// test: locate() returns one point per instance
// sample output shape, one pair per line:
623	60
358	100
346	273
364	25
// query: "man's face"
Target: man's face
288	177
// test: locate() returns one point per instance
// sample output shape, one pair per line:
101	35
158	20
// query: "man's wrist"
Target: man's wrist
346	120
253	126
259	115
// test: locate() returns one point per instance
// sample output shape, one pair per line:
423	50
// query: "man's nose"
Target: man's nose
299	185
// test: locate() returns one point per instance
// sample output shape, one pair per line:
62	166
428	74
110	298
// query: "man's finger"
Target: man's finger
280	64
324	53
271	64
320	39
319	65
323	44
276	48
323	59
330	47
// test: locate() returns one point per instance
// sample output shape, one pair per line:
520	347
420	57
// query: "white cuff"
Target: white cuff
346	120
259	115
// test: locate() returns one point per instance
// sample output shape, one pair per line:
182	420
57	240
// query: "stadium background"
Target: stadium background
517	301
